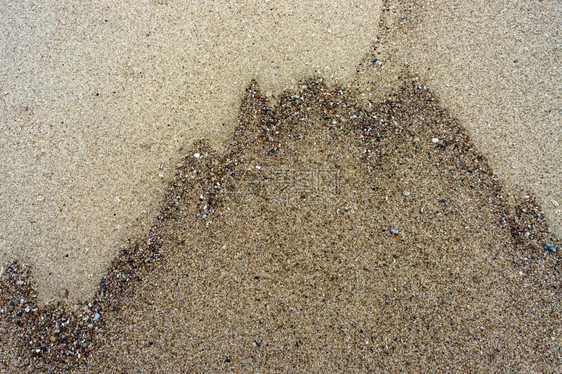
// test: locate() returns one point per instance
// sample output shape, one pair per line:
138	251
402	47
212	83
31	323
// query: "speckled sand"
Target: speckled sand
96	99
428	257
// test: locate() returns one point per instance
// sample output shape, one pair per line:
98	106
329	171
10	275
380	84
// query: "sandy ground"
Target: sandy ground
342	239
330	237
456	271
97	98
495	65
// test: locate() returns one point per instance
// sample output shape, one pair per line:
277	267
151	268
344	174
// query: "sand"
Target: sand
423	247
495	65
329	237
97	99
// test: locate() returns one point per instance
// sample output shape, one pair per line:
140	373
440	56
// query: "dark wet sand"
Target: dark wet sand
296	266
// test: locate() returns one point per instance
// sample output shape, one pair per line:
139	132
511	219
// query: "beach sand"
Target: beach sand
495	65
98	99
328	237
385	214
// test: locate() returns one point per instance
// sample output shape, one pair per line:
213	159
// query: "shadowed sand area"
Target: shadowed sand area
329	237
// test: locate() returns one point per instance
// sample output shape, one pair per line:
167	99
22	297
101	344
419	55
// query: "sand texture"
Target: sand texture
496	66
280	186
97	98
327	238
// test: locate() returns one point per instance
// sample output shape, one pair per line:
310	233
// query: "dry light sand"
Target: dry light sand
376	218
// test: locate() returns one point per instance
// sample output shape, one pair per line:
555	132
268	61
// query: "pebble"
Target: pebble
394	231
197	155
406	193
96	316
435	140
549	247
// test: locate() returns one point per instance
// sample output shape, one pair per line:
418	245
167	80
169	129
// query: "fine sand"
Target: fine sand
383	215
96	101
329	237
97	98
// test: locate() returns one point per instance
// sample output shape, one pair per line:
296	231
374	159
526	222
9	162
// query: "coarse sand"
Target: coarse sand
328	237
495	65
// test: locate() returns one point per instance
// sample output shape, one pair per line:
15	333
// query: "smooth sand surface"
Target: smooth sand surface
97	98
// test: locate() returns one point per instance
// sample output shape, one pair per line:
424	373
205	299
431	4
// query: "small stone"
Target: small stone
258	167
435	140
406	193
197	155
549	247
96	316
394	231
